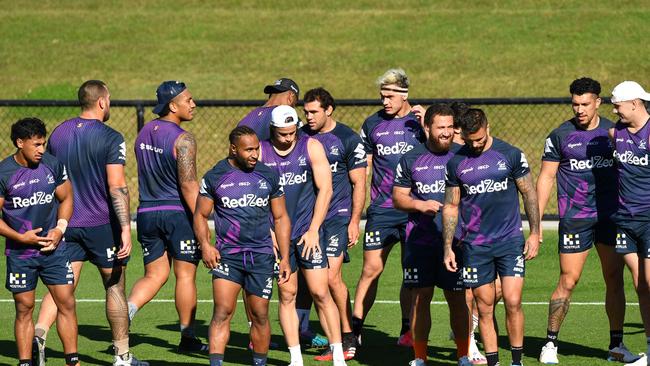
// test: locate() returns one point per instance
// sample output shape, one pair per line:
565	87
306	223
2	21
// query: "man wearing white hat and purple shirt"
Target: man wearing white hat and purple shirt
283	91
306	180
631	136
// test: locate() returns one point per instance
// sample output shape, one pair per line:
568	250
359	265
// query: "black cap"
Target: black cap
282	85
167	91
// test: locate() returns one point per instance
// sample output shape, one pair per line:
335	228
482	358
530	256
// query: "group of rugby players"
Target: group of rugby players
287	202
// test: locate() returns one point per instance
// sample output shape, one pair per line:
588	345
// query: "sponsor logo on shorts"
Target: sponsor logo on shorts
571	241
332	245
621	241
17	280
317	258
411	275
470	275
372	238
69	275
222	269
266	292
110	253
188	246
519	266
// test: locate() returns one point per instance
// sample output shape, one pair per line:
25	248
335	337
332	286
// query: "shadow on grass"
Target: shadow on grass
103	334
638	326
9	350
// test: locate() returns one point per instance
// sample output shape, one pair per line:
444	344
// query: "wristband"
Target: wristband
62	224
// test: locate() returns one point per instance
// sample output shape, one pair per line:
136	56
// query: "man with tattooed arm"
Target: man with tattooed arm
100	226
483	179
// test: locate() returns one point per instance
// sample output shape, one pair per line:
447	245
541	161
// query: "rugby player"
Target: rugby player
340	230
386	135
483	178
283	91
242	194
36	200
100	226
168	187
307	183
579	154
419	190
631	136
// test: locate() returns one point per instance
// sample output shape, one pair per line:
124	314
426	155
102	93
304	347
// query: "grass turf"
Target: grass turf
154	332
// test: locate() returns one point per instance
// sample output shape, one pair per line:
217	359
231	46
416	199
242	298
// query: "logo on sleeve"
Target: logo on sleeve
360	152
65	174
523	161
548	146
204	187
122	149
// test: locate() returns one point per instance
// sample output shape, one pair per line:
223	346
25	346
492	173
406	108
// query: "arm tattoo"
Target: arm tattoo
531	206
186	158
449	222
557	310
120	199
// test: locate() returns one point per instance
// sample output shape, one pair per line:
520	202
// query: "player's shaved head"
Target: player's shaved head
238	132
89	92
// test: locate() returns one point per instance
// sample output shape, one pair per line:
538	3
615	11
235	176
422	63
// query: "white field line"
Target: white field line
389	302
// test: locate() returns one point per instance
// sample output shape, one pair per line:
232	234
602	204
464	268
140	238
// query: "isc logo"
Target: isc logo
38	198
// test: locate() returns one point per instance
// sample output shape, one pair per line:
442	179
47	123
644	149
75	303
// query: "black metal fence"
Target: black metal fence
523	122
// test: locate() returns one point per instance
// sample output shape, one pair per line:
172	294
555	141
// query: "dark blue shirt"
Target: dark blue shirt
29	200
85	147
242	211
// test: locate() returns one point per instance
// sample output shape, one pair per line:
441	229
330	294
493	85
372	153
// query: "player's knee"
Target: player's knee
513	305
321	296
288	294
372	270
568	283
24	310
222	314
259	317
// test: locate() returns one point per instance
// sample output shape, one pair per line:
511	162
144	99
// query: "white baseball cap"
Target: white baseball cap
284	116
629	90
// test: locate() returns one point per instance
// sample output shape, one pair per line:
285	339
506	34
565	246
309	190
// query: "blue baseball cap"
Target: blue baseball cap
167	91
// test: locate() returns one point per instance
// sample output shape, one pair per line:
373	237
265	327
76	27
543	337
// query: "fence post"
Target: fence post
140	115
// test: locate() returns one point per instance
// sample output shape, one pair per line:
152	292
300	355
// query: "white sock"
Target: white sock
337	352
132	310
296	355
474	323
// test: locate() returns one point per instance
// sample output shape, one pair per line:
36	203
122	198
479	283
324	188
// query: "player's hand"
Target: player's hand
428	207
29	237
450	260
55	234
284	271
531	248
353	234
125	249
419	112
311	244
210	256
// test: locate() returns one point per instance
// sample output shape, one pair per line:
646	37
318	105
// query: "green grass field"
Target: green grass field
154	334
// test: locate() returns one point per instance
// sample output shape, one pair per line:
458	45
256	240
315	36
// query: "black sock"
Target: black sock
348	339
615	338
357	324
516	354
551	336
24	362
492	358
71	359
216	359
406	326
259	359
